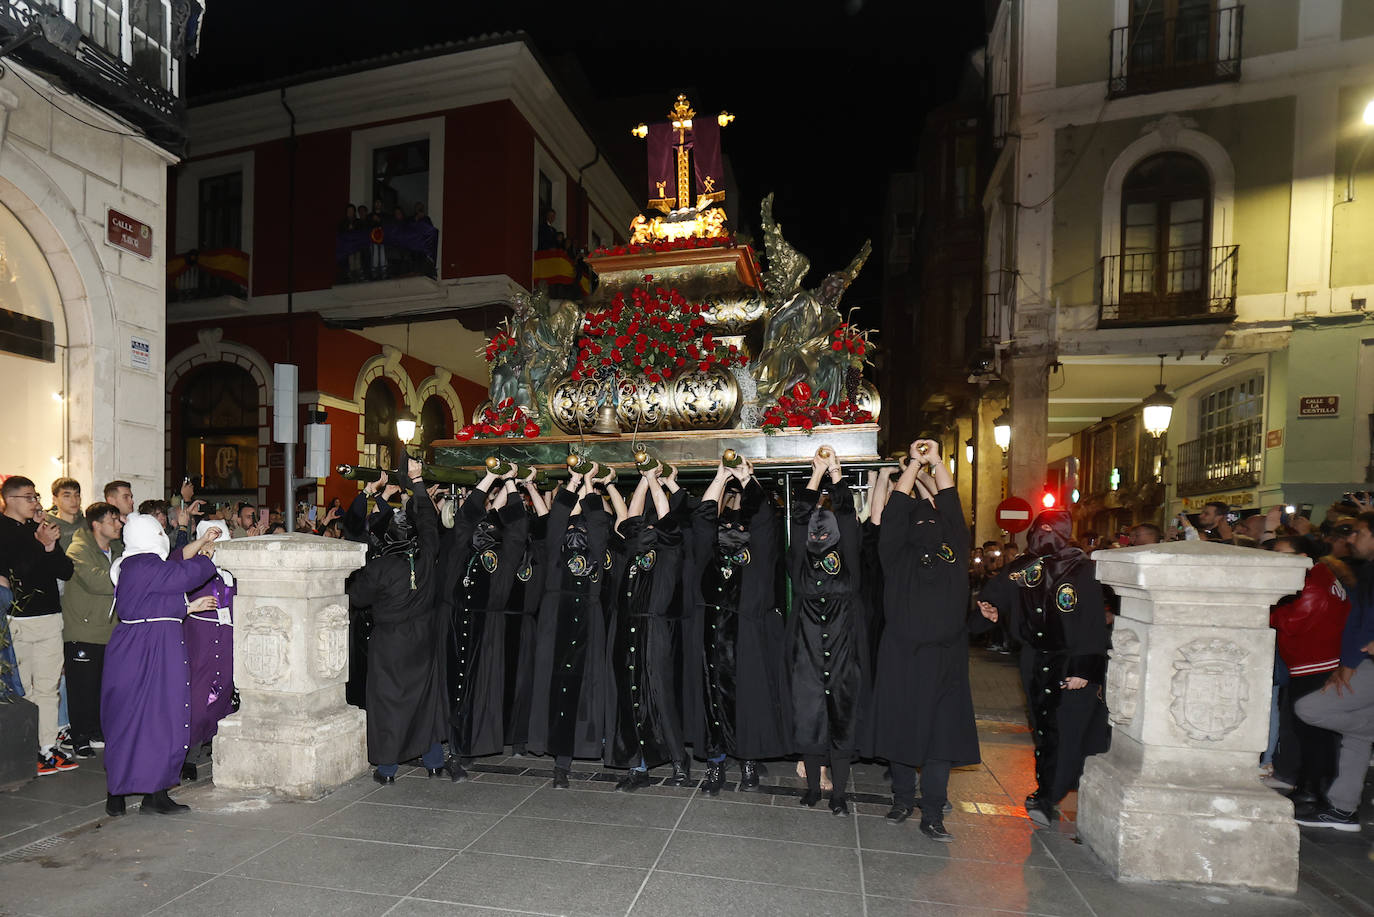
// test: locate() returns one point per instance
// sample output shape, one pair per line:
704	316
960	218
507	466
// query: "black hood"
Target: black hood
822	531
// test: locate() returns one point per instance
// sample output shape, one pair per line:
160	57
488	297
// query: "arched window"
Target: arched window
1165	238
435	421
379	422
219	428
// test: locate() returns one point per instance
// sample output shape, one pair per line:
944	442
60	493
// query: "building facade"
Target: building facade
1182	196
90	119
465	148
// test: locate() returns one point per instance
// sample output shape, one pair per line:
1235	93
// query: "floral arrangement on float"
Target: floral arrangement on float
505	420
803	409
650	335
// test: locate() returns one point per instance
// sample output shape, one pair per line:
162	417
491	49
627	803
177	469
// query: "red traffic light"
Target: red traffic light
1047	500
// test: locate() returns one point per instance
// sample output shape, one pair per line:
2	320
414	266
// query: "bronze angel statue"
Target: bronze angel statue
544	331
800	323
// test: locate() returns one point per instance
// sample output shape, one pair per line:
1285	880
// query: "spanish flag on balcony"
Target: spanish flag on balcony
228	263
553	266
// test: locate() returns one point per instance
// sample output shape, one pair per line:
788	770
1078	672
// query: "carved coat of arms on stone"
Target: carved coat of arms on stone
266	644
1209	689
331	647
1123	677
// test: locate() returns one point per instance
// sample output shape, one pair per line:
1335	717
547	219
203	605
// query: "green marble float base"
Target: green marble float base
686	449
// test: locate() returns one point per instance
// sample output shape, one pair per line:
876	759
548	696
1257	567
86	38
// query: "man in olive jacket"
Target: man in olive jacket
87	622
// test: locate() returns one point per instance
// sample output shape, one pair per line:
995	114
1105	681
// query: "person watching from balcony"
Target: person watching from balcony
420	215
350	219
548	233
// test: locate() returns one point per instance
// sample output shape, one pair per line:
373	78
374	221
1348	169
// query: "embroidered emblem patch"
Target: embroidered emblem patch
1030	576
1066	597
489	561
608	558
830	563
524	573
946	553
646	560
578	566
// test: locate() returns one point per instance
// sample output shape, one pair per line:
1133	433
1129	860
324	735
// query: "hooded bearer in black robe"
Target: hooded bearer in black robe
828	655
522	622
1053	603
736	634
922	710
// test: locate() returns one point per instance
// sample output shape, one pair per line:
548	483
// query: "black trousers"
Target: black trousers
1306	754
84	663
838	762
934	787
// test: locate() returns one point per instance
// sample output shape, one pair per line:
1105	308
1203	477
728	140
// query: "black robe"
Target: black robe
828	640
872	569
568	706
1055	607
480	582
643	714
406	708
359	526
522	631
734	641
922	706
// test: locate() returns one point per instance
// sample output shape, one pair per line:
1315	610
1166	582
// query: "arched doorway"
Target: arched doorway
33	360
436	421
380	406
219	436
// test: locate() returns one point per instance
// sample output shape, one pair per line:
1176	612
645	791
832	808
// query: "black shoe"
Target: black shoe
715	778
935	830
383	779
560	779
810	798
682	774
114	805
456	774
517	750
748	777
1042	813
161	804
633	781
899	813
1330	817
1303	798
82	749
1032	799
839	805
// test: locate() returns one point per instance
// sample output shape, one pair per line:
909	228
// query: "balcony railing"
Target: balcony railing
1178	286
1222	461
406	248
130	67
999	120
1192	49
206	274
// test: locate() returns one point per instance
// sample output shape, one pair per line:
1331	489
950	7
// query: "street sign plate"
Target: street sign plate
1014	515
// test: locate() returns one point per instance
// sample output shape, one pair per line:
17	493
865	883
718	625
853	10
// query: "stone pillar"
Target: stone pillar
293	734
1176	799
987	469
1030	419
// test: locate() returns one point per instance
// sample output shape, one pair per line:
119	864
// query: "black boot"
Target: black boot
899	812
560	778
934	828
839	804
114	805
682	774
810	798
161	804
715	778
748	777
633	781
383	779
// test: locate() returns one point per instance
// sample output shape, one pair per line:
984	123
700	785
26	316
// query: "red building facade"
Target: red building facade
473	143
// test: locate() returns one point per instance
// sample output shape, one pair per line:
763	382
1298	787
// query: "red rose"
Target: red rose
605	361
577	375
655	377
639	361
859	348
703	366
837	346
639	347
681	361
734	348
822	395
707	342
806	423
505	403
615	355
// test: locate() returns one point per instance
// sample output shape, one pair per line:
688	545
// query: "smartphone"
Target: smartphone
310	514
263	513
1286	516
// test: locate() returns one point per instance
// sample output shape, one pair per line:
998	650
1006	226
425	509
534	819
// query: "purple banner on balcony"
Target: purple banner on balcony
706	160
661	141
413	237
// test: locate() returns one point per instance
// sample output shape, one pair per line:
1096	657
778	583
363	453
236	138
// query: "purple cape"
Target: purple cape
145	694
210	651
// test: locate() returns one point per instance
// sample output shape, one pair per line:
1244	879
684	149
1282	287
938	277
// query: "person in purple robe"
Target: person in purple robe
145	692
210	649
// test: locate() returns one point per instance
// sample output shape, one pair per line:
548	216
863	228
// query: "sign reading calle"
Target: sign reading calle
1319	405
123	231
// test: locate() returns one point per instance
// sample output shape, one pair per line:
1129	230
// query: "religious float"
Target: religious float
687	347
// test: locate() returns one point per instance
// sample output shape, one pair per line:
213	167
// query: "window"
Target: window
1230	429
545	196
1165	226
435	422
400	177
221	211
1125	452
149	28
379	415
101	21
1171	33
219	430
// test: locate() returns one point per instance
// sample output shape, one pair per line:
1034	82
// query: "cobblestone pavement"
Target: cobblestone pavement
505	842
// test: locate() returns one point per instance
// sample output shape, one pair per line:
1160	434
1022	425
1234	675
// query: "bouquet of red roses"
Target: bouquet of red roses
505	420
801	409
651	335
849	340
500	342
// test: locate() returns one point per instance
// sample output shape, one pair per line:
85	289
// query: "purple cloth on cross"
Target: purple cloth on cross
210	650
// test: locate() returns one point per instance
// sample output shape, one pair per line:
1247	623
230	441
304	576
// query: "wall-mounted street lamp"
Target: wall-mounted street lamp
1001	429
405	426
1368	119
968	450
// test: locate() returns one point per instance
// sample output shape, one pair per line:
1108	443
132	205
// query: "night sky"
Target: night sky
830	95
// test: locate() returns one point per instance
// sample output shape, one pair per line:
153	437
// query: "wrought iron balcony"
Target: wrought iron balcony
207	274
1223	461
131	68
1158	53
1177	286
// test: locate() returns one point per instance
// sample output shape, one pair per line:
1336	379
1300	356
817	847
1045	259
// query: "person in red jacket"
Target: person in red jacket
1308	630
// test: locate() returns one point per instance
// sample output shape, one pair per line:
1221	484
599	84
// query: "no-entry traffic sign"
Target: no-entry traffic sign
1014	515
